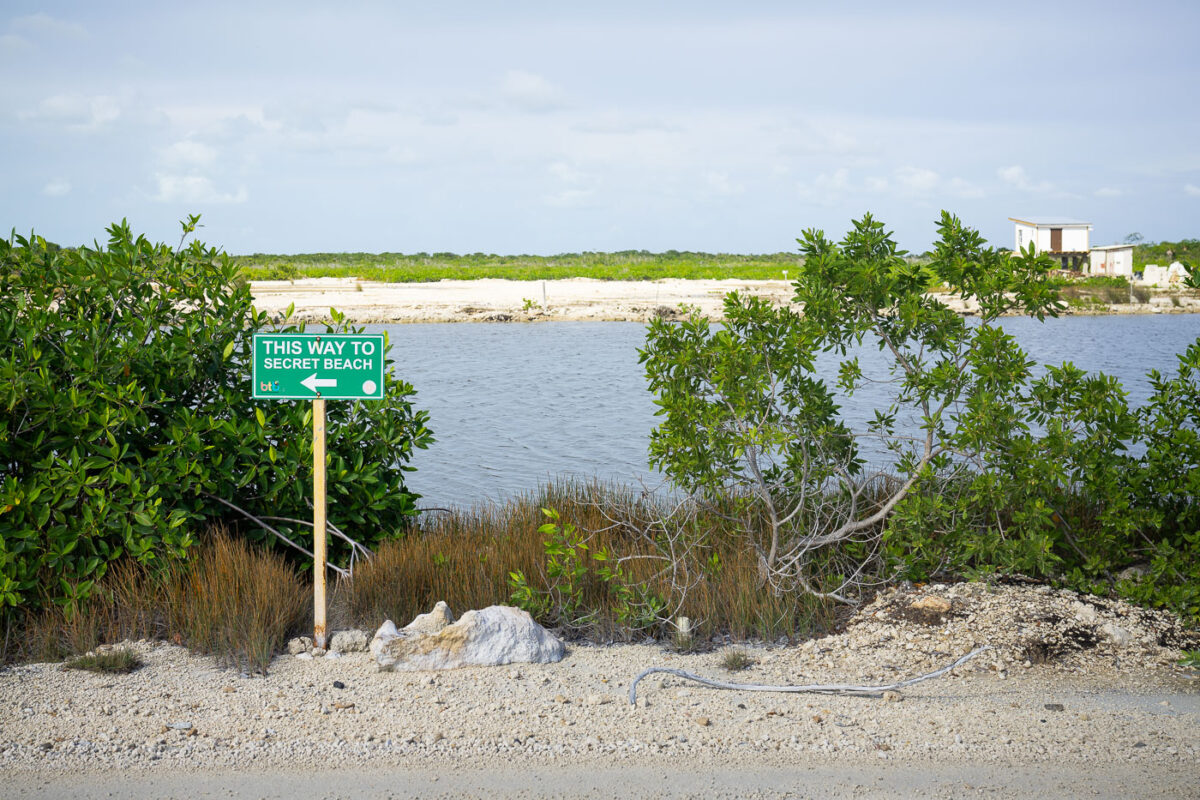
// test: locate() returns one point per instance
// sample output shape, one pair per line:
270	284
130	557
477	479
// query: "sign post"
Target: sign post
318	367
318	409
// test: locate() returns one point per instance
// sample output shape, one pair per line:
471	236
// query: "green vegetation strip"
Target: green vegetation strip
628	265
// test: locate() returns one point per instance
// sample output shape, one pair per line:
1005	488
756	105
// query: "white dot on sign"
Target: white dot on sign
368	387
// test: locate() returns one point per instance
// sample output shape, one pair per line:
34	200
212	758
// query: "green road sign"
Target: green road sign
336	366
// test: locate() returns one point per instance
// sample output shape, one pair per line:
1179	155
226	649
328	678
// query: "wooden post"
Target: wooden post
319	522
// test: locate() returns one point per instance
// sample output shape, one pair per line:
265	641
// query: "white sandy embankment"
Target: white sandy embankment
1078	697
575	299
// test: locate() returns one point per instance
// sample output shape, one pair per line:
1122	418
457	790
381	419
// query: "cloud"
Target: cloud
917	180
75	111
719	183
565	172
194	189
1017	177
57	188
189	153
1191	190
529	92
904	182
218	120
46	25
826	187
1107	191
569	198
11	43
963	188
617	122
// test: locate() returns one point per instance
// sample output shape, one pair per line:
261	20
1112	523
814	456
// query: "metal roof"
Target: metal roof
1113	247
1050	222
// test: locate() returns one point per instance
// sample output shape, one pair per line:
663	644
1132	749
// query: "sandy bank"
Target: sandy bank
565	300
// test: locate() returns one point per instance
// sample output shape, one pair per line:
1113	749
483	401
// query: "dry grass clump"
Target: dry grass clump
228	599
736	660
467	558
119	661
236	602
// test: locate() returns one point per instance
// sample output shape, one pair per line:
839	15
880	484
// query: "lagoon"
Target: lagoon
515	405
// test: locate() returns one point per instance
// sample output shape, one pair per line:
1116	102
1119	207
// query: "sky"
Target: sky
550	127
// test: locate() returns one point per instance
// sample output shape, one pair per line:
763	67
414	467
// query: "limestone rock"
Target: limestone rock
492	636
1134	572
422	625
351	641
432	622
1116	634
932	604
301	644
386	631
1085	613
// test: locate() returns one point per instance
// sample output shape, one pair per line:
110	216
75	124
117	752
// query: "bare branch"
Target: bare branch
262	524
814	688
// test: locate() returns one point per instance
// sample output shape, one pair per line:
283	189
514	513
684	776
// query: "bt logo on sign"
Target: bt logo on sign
268	386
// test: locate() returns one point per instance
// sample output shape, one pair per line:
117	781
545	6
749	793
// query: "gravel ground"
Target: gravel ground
1078	691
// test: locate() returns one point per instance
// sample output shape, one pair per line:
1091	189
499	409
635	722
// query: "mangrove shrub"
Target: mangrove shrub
126	417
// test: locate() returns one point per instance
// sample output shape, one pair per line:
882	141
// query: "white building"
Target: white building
1113	259
1064	239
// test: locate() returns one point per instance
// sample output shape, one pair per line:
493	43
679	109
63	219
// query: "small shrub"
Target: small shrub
283	272
736	660
121	660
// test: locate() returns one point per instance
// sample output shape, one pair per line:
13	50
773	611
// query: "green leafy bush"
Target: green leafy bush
748	421
573	573
994	470
127	413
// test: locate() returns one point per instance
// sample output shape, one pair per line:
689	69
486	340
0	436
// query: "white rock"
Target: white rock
432	622
350	641
386	631
301	644
492	636
1116	634
1085	613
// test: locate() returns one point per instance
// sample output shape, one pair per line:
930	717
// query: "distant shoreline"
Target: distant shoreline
568	300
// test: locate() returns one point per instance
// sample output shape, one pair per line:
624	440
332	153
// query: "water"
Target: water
513	406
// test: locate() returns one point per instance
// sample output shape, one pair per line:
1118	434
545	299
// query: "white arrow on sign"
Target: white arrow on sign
313	382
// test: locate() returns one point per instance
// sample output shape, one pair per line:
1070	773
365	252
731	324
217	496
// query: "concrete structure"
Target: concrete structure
1057	237
1164	277
1113	259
